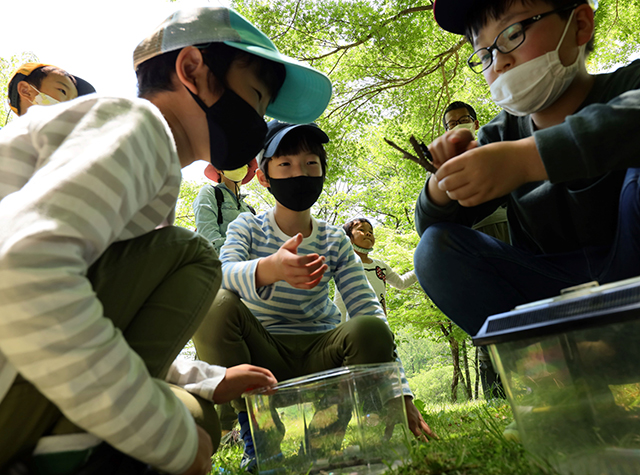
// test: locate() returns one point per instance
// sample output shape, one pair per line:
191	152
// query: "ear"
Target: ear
477	124
191	70
262	178
585	22
26	91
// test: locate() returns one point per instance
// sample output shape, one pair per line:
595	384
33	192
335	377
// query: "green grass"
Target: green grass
470	443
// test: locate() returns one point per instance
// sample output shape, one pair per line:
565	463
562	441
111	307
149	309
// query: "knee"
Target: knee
203	412
431	254
223	317
371	338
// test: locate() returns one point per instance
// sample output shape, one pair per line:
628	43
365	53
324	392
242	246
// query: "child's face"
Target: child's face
362	235
301	164
540	38
58	86
244	81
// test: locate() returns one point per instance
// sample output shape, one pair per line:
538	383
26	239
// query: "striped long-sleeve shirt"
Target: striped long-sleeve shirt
75	178
281	308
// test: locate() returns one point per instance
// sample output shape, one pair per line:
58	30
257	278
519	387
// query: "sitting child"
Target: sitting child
561	156
280	264
378	272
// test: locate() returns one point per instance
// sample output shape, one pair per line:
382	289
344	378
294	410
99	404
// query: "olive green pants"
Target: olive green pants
156	289
230	335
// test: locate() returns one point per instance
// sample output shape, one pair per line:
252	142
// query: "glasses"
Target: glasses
465	119
509	39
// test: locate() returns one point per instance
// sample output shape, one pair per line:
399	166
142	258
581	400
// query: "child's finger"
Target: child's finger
293	243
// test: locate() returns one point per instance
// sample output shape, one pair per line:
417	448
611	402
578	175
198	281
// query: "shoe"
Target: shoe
248	462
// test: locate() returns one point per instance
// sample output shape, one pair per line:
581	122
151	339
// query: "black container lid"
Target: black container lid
602	305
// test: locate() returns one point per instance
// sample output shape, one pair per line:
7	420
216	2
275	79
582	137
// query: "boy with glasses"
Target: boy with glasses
460	115
559	156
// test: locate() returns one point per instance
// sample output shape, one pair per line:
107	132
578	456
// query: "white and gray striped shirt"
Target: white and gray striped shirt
74	178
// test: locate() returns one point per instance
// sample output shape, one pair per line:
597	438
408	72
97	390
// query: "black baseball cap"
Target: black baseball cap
277	131
451	15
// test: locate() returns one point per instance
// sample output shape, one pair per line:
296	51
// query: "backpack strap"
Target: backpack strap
220	200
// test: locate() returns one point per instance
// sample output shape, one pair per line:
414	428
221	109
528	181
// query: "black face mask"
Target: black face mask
236	130
297	193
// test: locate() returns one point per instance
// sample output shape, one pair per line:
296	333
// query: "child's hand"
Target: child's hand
241	378
493	170
449	145
417	425
301	272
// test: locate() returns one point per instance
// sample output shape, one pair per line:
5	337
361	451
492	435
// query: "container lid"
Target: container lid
327	376
596	306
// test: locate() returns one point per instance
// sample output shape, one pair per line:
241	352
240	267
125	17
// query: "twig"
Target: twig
421	159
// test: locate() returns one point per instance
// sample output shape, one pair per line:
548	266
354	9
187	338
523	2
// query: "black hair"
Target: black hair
458	105
155	75
479	14
294	142
349	225
35	78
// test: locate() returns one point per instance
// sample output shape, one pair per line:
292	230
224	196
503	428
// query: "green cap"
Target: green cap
306	91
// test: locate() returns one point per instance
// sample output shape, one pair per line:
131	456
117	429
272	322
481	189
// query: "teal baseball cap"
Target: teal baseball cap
305	93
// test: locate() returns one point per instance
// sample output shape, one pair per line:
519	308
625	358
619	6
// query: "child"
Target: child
360	232
280	264
43	84
559	155
83	187
216	206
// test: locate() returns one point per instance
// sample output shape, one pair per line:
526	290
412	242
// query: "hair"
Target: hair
482	12
349	225
35	78
156	74
294	142
459	105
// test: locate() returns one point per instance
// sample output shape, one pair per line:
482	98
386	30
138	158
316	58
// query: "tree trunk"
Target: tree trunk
477	370
465	360
455	358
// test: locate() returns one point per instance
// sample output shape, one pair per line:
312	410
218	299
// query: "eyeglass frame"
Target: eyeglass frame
457	121
523	23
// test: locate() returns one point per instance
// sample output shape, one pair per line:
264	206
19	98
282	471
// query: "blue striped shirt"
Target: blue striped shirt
281	308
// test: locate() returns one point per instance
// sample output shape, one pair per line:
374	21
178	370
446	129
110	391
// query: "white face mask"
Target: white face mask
43	99
470	127
536	84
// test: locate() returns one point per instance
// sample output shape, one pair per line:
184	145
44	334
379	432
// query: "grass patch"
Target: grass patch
471	443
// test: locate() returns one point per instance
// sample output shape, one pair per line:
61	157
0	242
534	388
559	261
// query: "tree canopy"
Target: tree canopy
394	71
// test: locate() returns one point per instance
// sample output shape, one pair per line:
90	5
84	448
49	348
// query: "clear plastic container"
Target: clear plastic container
348	420
571	369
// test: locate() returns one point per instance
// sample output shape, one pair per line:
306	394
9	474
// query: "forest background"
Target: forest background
393	71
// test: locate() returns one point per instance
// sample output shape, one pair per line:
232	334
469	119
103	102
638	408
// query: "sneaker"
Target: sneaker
248	462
